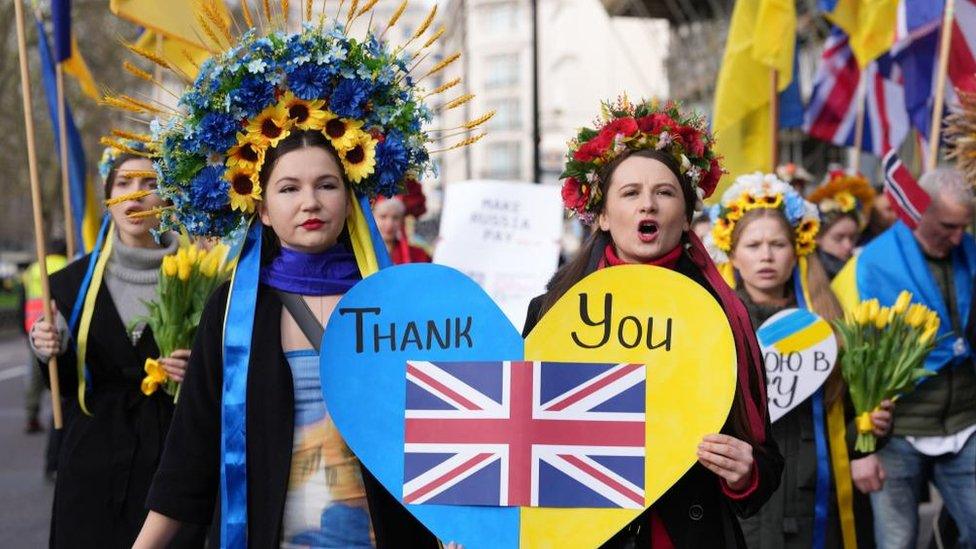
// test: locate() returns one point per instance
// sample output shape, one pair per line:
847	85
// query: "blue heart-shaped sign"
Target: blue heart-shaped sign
378	326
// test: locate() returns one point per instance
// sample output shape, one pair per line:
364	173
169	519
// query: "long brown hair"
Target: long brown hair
822	298
590	252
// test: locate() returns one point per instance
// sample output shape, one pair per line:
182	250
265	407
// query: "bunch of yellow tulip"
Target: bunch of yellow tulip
186	280
884	349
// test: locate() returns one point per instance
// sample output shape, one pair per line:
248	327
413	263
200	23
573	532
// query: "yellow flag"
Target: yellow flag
870	24
172	18
184	57
92	219
76	66
761	39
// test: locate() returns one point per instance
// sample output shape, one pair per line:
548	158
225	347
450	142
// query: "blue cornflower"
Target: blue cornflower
208	190
391	163
253	95
217	131
349	98
298	51
309	81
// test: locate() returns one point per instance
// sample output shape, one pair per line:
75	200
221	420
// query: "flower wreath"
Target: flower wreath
758	190
844	194
623	126
360	93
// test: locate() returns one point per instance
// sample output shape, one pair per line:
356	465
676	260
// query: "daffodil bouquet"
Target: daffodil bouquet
186	280
883	355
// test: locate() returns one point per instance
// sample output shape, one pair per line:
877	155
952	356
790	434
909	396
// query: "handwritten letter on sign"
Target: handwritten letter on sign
799	350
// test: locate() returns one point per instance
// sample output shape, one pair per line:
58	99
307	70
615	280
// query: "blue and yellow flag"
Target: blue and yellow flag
66	49
84	200
762	38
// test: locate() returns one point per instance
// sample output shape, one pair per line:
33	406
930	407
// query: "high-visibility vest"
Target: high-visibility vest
34	301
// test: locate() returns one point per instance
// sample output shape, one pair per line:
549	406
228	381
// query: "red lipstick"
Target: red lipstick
313	224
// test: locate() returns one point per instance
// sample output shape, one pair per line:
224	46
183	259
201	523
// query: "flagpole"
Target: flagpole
35	184
946	42
69	216
859	122
774	118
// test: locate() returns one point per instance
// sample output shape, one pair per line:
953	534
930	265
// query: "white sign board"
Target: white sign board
504	235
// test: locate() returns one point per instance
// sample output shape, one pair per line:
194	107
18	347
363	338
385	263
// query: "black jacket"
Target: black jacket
694	511
107	460
186	486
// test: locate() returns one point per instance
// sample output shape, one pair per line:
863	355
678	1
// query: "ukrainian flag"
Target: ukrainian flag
84	198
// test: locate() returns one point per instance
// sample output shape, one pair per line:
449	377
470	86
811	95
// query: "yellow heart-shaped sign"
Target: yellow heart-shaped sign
666	321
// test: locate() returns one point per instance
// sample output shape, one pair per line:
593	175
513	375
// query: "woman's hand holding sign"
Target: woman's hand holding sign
729	458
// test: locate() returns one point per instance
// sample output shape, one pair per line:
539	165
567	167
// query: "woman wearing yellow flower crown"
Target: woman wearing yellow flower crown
845	205
638	179
113	433
285	136
769	233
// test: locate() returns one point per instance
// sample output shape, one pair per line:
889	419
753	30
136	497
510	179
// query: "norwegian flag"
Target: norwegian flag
517	433
831	113
907	198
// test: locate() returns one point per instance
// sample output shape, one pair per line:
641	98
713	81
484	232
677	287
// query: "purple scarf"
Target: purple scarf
331	272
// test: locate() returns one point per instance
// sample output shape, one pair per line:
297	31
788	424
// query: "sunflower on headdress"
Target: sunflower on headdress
270	126
307	115
246	154
342	132
844	193
244	190
359	160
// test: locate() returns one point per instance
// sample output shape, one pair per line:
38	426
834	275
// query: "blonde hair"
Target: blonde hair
822	298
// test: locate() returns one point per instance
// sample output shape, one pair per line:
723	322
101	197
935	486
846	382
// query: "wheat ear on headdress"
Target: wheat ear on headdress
463	143
394	18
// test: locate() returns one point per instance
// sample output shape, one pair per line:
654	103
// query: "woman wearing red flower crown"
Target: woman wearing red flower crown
391	215
638	178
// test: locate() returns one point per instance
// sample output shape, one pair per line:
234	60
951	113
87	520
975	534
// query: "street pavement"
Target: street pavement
25	495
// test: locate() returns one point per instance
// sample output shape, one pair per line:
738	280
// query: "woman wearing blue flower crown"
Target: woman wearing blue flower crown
284	136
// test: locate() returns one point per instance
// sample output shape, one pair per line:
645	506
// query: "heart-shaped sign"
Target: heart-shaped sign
799	351
430	326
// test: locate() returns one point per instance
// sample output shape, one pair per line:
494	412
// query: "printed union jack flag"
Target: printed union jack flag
518	433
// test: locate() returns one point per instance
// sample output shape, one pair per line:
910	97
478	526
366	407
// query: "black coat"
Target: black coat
186	486
694	511
107	460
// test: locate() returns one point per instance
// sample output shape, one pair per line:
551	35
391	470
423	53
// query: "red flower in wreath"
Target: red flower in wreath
626	126
654	123
575	196
710	180
594	148
691	138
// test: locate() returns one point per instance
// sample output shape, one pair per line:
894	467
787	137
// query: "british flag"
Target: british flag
831	114
519	433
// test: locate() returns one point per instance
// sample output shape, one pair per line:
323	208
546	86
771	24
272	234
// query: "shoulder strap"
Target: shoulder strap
304	316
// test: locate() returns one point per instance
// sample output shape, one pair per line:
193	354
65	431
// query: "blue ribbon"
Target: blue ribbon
86	283
238	328
822	489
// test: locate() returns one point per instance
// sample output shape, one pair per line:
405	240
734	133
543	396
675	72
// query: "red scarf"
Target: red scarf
746	346
668	260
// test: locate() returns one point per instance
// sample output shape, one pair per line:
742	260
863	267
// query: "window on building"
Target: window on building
507	114
503	160
502	70
500	17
